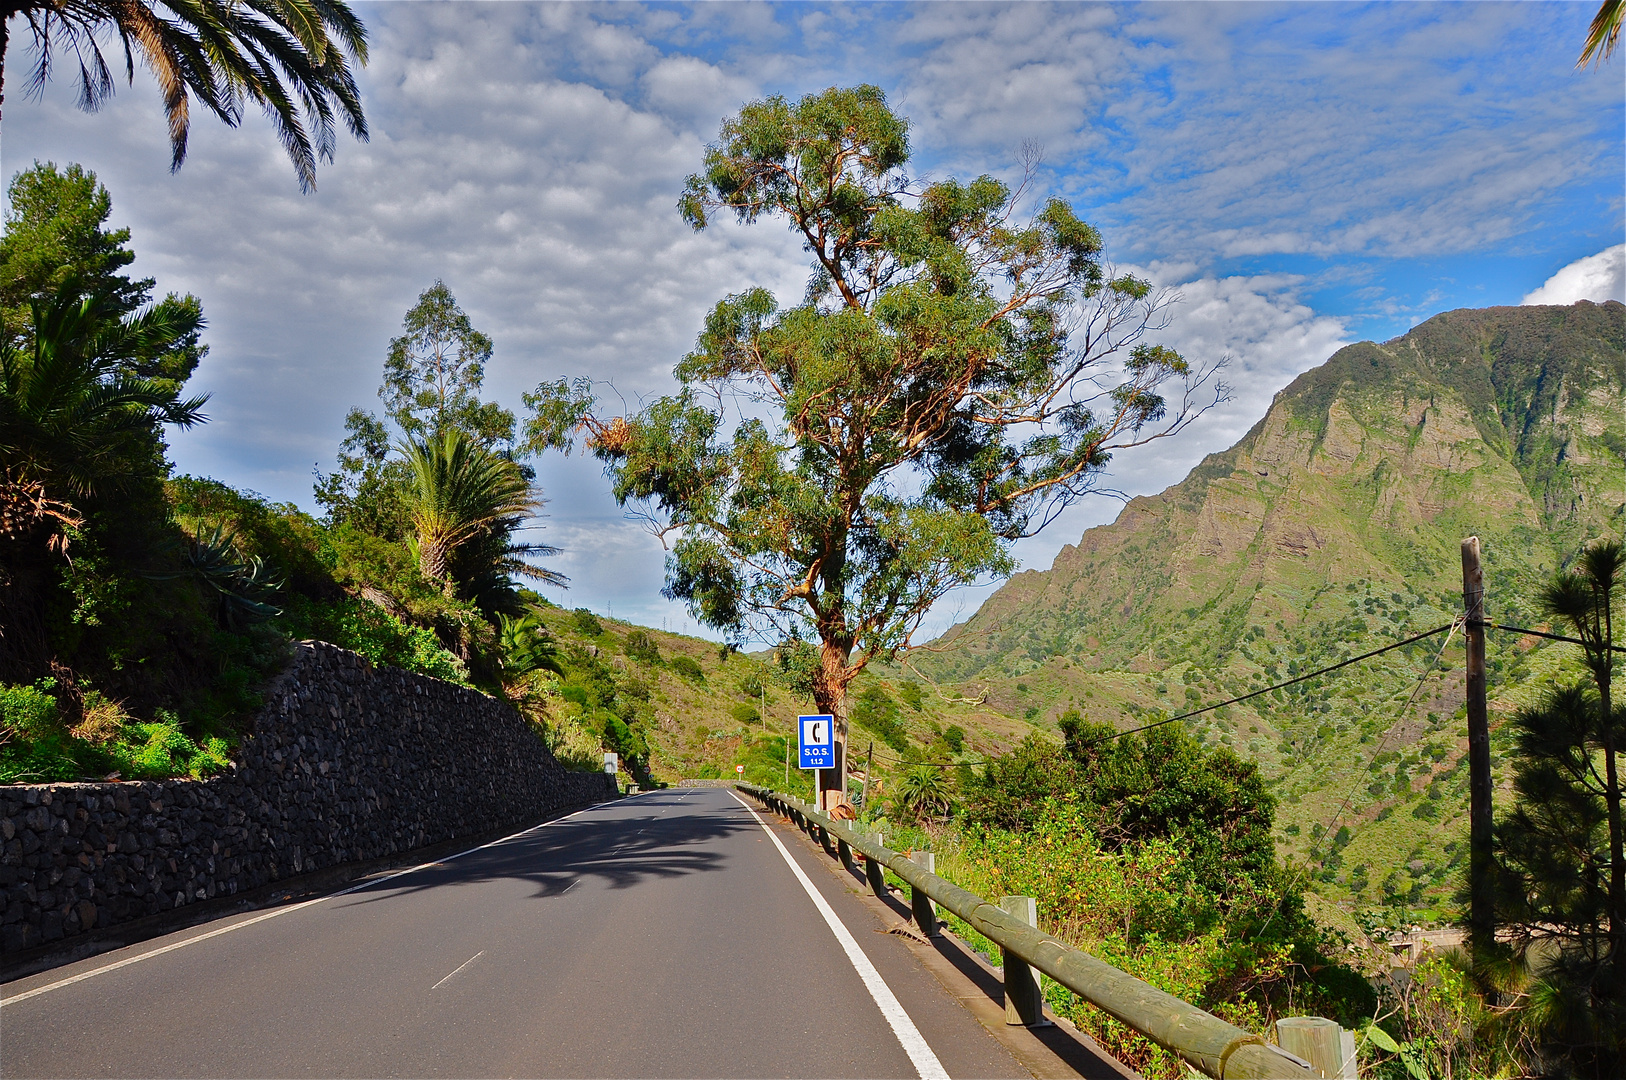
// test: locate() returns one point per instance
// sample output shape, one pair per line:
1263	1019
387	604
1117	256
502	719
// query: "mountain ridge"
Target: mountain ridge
1331	527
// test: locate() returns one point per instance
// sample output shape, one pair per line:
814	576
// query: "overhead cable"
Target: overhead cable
1220	705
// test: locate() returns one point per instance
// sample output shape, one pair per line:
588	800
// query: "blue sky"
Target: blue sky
1307	175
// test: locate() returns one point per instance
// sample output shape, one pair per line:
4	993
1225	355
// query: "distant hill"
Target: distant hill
1333	527
701	709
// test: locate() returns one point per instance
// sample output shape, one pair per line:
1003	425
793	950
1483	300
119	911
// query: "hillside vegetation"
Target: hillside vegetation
1333	527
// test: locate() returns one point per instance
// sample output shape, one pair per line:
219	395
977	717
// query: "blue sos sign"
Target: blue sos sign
817	737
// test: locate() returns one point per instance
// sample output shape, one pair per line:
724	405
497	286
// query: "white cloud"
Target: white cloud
1270	335
1596	277
531	155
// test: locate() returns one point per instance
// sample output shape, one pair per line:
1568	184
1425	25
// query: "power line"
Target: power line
1542	634
1349	796
1233	701
1298	679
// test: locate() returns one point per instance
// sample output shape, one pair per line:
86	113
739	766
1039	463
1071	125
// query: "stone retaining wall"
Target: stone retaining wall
347	763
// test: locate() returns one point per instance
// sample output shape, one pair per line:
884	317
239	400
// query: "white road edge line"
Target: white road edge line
914	1044
459	967
127	961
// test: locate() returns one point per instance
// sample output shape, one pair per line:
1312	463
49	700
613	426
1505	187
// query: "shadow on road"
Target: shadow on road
619	843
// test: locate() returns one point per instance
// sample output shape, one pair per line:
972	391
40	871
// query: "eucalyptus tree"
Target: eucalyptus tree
955	375
434	371
290	57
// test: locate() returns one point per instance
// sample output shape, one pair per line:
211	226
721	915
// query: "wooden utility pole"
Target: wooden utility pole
1481	889
869	775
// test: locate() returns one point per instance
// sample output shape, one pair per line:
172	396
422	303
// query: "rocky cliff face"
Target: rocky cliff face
1331	528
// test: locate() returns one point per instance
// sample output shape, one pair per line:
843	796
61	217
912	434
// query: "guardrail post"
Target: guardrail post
876	872
846	852
919	903
1024	1000
824	839
1323	1043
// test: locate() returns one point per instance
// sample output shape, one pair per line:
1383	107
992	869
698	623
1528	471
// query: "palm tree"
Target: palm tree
466	501
1603	35
74	407
291	57
923	793
79	421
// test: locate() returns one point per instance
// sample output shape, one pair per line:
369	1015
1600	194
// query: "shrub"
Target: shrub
1241	952
34	745
586	622
745	714
30	712
641	647
382	638
910	694
160	749
689	668
954	735
877	712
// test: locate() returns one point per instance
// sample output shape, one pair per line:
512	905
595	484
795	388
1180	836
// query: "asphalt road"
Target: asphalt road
662	935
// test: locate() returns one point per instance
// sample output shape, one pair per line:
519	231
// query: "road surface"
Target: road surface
665	935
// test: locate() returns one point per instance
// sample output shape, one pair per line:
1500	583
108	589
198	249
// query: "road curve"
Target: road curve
658	936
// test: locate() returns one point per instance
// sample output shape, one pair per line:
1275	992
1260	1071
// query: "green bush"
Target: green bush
910	694
745	714
382	638
1241	952
30	712
875	711
586	622
641	647
35	747
38	748
157	750
689	668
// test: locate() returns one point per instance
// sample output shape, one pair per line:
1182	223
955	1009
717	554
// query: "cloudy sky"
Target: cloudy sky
1307	175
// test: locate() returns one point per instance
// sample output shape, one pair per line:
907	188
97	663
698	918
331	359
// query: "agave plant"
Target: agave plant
242	584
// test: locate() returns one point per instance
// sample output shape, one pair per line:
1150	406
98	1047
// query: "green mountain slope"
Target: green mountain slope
695	710
1331	528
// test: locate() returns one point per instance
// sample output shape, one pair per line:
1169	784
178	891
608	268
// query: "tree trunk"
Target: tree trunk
1617	864
830	695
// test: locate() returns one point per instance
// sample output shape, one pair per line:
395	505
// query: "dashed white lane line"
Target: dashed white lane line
458	968
914	1044
127	961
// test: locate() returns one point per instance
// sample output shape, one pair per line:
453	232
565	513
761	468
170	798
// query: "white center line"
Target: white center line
459	967
572	885
914	1044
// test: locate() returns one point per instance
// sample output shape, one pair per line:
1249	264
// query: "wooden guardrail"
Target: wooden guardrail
1213	1046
